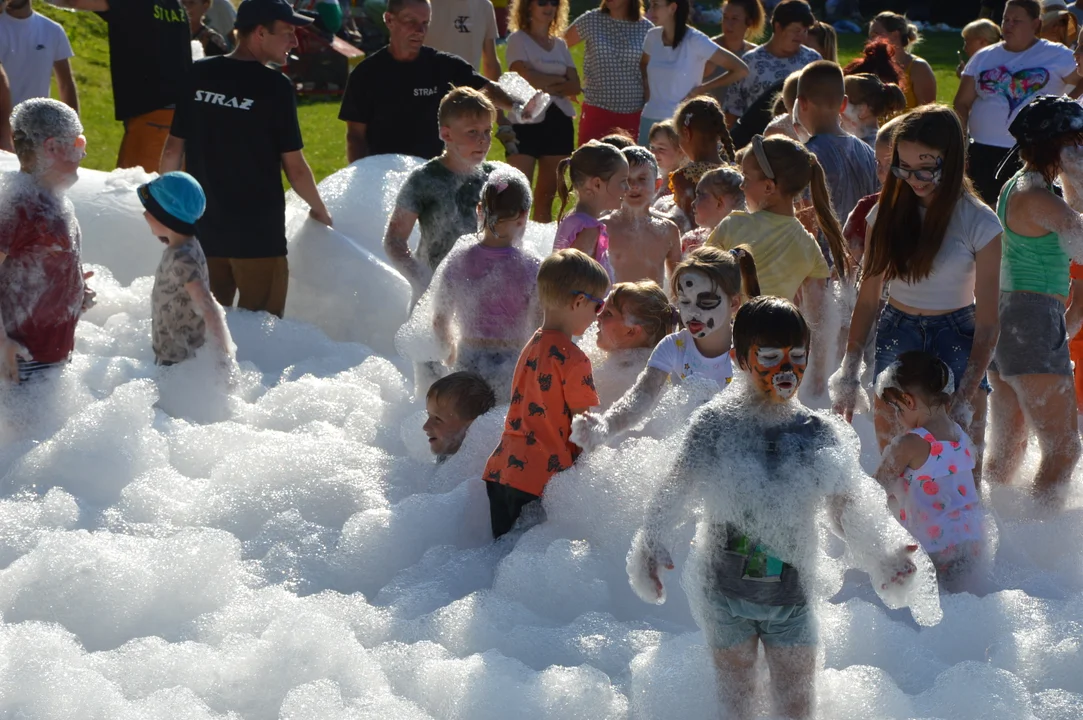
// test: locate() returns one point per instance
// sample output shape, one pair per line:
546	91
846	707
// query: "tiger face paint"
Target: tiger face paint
777	372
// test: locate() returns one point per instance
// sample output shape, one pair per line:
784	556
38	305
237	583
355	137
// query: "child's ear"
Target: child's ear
445	133
845	104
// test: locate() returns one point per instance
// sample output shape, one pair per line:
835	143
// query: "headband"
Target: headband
761	157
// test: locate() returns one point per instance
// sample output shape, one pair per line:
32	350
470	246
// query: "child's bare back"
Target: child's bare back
642	246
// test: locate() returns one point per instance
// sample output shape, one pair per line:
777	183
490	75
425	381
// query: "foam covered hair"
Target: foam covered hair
36	120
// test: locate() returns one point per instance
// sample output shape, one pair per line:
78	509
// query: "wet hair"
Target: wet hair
733	272
768	321
882	99
724	180
36	120
1030	7
665	127
1044	157
593	160
877	58
704	115
465	102
644	304
821	83
901	245
635	9
519	17
826	38
795	168
908	32
788	93
566	272
788	12
985	29
619	139
469	394
756	17
919	373
505	195
637	156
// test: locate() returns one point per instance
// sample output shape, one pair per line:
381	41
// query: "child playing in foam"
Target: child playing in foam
708	287
599	175
485	289
452	404
718	193
183	311
762	467
635	318
929	472
642	246
42	288
553	382
442	195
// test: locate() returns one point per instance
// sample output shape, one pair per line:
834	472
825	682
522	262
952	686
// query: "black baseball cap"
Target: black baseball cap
251	13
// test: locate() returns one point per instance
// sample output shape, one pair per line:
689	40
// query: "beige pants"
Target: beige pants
261	282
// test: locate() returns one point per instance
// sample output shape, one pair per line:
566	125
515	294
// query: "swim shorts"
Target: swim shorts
1033	336
729	621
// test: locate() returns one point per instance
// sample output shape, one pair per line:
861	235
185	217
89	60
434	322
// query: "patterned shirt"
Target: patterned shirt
177	329
765	71
611	77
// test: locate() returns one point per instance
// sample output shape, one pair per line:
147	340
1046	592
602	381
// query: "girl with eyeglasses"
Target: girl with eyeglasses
537	51
939	247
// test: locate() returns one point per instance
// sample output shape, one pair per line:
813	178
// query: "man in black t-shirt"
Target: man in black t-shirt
393	96
237	129
150	55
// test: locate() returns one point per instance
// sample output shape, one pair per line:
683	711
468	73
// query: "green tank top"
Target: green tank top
1030	264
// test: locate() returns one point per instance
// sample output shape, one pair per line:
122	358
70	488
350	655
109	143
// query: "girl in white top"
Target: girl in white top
675	57
939	246
709	286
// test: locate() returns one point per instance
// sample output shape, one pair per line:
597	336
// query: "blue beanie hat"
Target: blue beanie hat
175	200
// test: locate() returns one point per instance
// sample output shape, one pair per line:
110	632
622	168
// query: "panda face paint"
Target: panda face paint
777	371
702	307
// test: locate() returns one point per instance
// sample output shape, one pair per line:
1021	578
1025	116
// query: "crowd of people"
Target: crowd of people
723	202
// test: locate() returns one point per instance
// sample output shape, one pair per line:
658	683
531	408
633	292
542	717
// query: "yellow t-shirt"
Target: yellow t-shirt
784	251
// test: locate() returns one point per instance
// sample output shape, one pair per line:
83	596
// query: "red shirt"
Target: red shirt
41	280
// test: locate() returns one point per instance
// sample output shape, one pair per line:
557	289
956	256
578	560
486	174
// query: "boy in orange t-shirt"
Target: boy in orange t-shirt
552	382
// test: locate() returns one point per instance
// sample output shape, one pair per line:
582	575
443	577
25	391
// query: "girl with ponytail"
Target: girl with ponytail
709	286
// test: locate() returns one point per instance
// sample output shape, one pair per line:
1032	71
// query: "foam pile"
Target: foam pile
286	548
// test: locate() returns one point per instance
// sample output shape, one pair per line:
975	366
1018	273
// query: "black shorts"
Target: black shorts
553	136
505	505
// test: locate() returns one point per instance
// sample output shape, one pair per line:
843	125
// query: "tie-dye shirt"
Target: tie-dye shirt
1006	81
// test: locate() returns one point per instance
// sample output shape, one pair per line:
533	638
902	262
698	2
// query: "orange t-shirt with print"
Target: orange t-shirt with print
552	377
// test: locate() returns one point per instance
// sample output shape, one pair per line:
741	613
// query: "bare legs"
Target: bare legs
792	672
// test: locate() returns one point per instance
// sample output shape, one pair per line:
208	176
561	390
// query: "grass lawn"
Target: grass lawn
324	134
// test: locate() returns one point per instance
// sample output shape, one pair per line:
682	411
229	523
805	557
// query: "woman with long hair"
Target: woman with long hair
920	86
939	247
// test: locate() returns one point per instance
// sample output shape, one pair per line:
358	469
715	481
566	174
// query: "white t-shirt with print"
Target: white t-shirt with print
28	49
555	61
672	72
765	70
461	27
677	355
1006	81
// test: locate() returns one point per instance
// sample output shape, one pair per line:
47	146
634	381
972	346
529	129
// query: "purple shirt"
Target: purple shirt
489	291
577	222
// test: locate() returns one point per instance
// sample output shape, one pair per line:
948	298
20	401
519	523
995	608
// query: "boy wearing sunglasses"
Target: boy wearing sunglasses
553	382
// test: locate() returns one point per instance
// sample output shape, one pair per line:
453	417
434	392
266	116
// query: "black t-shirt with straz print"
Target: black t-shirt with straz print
399	102
238	119
150	54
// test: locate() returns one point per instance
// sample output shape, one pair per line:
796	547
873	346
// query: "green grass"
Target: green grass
324	134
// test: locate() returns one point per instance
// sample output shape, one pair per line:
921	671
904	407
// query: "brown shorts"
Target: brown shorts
260	282
144	138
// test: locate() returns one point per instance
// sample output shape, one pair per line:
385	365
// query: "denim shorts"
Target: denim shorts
948	337
729	621
1033	336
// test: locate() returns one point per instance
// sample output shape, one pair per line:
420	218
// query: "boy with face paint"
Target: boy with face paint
762	467
709	287
642	246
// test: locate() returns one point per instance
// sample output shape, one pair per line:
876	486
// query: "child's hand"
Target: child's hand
845	387
898	569
9	351
589	430
645	561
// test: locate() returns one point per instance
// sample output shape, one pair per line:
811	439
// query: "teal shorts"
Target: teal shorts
731	621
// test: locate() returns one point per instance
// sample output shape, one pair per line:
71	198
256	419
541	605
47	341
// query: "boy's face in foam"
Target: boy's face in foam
642	180
777	372
468	138
704	308
445	427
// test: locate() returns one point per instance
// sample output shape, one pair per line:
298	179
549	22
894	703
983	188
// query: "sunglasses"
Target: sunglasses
921	175
597	301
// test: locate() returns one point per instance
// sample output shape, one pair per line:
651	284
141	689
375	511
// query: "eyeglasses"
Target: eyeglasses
597	301
921	174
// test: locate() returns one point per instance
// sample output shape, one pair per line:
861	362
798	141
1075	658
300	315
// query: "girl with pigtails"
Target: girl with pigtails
777	171
709	286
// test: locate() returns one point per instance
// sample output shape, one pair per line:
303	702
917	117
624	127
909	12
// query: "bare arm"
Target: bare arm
571	36
172	155
986	321
357	145
397	247
9	349
1074	317
674	256
846	382
570	86
496	94
735	68
644	61
924	82
964	100
213	316
65	84
813	301
490	64
304	184
899	455
86	5
5	114
1077	85
587	240
592	430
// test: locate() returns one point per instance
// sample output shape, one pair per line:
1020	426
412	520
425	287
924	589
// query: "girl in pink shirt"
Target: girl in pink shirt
599	175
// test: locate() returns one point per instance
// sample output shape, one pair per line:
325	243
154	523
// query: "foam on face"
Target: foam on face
295	554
